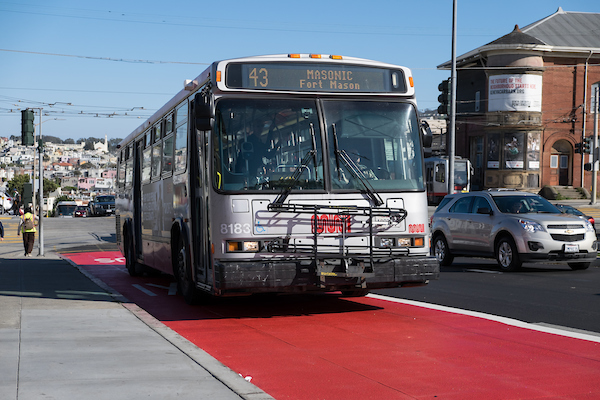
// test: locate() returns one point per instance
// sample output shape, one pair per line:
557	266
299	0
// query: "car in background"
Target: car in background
572	210
102	205
511	226
81	211
6	202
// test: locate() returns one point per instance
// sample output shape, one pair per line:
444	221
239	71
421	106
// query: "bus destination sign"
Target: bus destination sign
312	77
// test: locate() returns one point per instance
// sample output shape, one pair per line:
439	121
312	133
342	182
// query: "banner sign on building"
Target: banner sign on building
515	93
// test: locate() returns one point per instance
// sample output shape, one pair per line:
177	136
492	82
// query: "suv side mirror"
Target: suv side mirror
485	210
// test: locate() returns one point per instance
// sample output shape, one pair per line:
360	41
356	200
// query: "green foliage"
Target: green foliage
17	183
49	186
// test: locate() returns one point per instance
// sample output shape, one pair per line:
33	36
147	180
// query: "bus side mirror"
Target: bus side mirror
204	111
427	134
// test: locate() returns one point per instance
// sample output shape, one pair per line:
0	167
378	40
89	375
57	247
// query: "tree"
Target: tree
52	139
17	183
49	186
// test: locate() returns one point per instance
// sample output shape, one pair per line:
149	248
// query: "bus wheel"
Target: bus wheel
185	283
579	265
130	263
355	293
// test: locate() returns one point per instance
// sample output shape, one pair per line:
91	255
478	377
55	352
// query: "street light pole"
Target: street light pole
40	188
41	193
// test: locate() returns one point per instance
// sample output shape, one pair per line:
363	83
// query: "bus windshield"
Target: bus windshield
461	176
260	144
381	139
264	144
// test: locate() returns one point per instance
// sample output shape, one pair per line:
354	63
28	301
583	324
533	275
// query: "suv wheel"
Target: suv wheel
441	251
507	255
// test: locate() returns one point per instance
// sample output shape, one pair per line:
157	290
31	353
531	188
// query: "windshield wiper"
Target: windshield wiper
311	155
354	170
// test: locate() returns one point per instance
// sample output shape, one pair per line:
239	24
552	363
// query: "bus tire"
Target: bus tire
579	265
355	293
183	274
130	262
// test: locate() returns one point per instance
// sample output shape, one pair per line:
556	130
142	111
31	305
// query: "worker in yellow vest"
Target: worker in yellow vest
27	226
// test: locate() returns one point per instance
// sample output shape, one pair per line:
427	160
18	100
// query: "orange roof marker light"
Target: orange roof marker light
294	55
315	56
410	80
218	76
336	57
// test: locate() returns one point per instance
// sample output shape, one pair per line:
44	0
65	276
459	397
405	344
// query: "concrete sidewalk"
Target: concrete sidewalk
62	336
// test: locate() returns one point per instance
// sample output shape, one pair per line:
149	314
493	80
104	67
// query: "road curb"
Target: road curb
214	367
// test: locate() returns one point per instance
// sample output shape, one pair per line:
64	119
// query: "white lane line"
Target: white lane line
143	289
504	320
172	288
483	271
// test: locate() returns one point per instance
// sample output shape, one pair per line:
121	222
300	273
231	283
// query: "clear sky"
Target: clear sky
92	66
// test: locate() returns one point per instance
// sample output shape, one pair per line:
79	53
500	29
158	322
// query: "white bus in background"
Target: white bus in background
65	209
285	173
436	171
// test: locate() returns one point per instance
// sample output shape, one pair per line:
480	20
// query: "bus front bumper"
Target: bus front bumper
295	276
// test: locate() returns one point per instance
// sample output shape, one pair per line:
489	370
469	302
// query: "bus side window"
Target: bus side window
181	148
156	159
129	173
440	173
146	164
167	166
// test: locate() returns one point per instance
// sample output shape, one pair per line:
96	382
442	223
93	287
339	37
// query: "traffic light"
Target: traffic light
587	145
444	98
27	127
578	148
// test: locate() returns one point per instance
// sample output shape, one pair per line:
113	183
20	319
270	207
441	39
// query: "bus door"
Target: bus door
199	213
137	199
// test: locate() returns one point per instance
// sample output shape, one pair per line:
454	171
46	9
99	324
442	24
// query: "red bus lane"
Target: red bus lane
329	347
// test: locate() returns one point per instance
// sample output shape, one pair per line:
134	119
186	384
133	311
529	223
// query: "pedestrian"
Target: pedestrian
27	226
1	231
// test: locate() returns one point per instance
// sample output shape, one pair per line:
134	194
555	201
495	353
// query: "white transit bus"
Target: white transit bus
436	172
284	173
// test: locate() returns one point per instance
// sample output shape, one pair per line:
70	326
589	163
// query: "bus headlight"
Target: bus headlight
242	246
386	242
404	242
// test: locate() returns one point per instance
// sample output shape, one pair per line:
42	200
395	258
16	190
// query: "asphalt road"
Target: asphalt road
538	293
550	294
59	234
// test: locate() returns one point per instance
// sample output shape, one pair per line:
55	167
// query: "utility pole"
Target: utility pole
452	130
595	154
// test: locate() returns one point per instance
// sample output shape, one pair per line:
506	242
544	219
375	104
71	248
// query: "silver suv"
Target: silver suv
511	226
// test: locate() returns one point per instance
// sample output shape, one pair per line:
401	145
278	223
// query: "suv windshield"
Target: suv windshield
105	199
524	204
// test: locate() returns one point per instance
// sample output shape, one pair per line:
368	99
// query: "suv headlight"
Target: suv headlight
531	226
588	226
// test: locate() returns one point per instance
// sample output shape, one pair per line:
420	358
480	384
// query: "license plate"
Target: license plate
571	248
381	220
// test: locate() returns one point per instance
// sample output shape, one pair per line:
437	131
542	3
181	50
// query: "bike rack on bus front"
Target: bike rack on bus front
351	263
